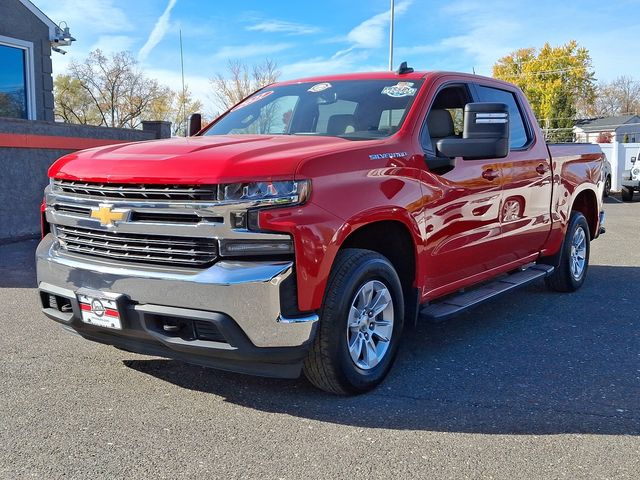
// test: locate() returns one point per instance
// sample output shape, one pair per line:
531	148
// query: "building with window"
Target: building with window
623	129
27	39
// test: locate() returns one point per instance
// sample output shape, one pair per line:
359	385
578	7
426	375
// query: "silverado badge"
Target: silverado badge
108	215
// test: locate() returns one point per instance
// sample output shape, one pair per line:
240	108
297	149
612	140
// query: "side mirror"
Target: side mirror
633	159
485	135
195	124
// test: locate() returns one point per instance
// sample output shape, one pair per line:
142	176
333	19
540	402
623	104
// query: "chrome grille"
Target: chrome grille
154	249
115	191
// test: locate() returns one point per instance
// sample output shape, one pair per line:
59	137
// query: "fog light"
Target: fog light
53	302
239	220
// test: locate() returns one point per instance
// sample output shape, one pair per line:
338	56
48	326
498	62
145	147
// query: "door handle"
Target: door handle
542	168
490	174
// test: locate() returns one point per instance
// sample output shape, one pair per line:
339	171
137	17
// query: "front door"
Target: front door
462	201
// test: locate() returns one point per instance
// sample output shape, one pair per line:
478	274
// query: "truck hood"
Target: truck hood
229	158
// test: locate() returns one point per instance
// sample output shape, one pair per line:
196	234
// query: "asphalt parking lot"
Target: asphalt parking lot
532	385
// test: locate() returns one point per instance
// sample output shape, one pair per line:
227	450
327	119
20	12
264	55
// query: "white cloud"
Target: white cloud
373	32
91	16
251	50
280	26
158	32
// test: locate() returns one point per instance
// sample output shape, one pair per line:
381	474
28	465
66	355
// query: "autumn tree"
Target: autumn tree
174	108
241	80
558	81
110	91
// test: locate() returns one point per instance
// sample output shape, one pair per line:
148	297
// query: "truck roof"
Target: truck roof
386	75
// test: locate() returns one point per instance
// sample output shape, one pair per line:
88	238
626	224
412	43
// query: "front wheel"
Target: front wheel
360	324
574	258
627	194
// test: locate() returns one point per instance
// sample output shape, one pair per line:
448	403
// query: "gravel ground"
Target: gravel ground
532	385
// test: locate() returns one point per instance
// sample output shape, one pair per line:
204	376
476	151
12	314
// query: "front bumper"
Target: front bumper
240	300
635	184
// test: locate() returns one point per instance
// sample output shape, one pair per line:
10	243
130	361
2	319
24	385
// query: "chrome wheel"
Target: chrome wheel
370	325
578	253
511	211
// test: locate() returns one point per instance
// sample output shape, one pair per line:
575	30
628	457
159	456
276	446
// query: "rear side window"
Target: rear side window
517	132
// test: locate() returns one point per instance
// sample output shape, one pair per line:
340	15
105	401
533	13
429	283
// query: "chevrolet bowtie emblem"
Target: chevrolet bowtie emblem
107	215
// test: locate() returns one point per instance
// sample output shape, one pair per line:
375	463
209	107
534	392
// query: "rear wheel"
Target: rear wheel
627	194
607	186
574	259
360	324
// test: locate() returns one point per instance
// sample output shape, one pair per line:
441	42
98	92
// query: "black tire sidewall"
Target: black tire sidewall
372	267
577	221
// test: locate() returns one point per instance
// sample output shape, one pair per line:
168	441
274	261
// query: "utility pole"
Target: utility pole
391	36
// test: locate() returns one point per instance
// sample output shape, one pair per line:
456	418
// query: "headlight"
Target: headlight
635	172
266	193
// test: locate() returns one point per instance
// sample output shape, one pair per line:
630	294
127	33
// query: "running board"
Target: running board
456	303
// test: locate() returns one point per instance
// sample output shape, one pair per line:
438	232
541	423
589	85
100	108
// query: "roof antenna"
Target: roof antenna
404	69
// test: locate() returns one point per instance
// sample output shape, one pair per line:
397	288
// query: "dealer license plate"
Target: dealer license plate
100	310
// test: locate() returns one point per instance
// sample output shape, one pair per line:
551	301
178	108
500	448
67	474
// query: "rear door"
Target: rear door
525	213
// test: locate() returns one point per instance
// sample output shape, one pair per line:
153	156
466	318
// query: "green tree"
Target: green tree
558	81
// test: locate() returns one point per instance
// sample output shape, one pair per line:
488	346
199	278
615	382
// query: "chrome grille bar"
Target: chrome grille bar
137	191
142	248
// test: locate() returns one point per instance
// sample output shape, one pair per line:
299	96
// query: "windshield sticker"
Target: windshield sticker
319	87
402	89
253	99
383	156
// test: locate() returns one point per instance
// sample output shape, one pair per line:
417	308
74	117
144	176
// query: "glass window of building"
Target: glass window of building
13	85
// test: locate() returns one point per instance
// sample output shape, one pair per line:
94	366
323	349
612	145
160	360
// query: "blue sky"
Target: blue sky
328	36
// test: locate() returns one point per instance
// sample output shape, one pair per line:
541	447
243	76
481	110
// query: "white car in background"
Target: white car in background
631	179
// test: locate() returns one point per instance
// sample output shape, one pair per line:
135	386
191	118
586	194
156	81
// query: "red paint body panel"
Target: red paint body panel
466	228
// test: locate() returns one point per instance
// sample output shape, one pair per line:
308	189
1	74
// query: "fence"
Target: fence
28	148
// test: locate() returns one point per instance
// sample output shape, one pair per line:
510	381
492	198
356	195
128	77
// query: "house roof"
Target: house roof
53	28
606	123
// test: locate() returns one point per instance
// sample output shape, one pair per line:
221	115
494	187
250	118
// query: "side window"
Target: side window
446	116
273	118
390	119
326	111
517	132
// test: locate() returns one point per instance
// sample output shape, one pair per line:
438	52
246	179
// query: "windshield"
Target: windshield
353	109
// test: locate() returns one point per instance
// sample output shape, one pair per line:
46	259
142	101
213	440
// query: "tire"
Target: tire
607	186
330	365
627	194
569	276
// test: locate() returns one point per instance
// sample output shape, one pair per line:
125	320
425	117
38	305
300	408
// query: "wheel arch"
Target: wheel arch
395	239
586	202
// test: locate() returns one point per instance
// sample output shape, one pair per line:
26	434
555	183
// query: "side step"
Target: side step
456	303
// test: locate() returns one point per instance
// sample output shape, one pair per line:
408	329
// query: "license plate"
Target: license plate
100	310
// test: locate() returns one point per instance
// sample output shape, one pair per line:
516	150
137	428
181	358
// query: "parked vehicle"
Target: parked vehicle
631	179
307	226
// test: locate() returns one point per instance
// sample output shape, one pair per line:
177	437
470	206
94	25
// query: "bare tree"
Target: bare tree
242	80
108	91
619	97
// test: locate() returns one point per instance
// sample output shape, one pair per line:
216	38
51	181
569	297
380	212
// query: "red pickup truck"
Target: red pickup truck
304	228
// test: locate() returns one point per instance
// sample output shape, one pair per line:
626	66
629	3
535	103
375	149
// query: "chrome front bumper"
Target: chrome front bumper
246	293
